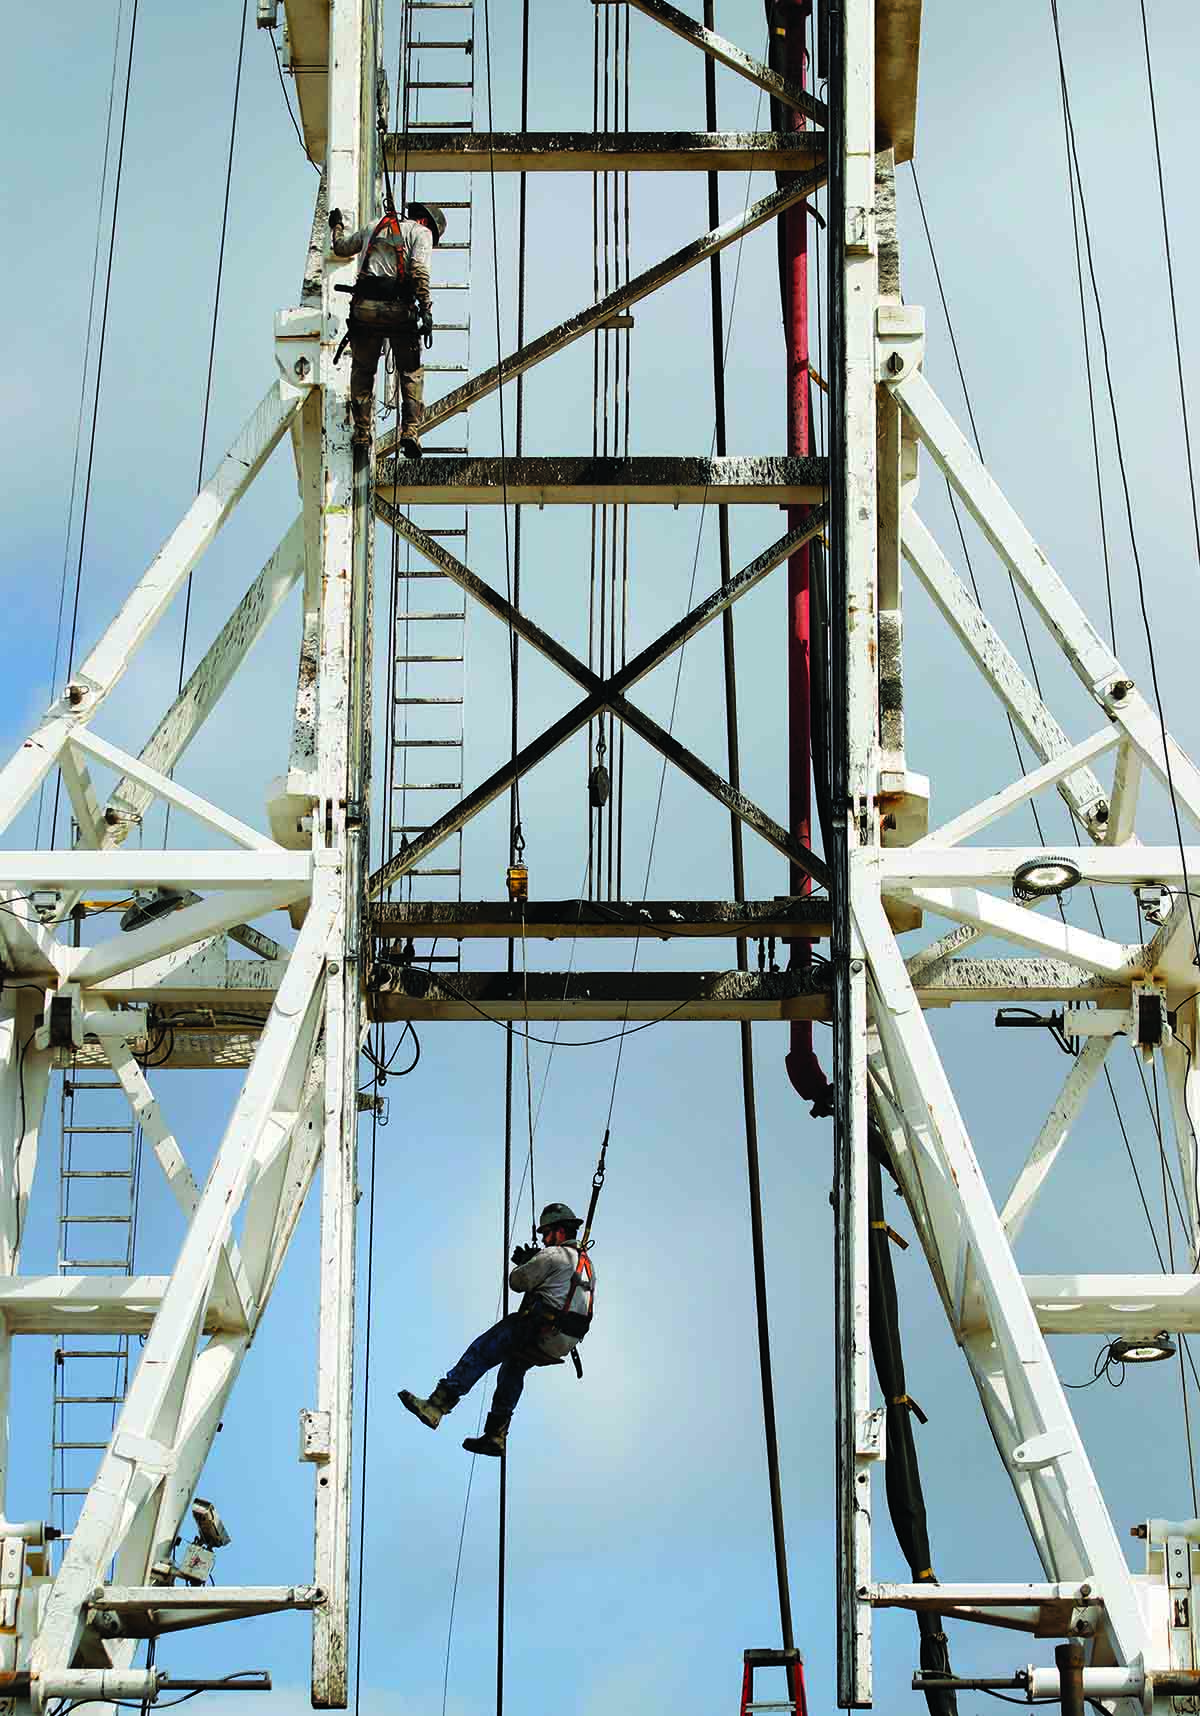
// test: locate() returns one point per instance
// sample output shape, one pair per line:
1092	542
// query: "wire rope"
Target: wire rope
1166	227
83	380
212	348
100	354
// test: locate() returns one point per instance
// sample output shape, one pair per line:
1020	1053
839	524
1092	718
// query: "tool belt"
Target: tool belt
383	305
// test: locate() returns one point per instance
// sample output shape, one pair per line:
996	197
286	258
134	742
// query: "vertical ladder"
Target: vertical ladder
430	636
99	1161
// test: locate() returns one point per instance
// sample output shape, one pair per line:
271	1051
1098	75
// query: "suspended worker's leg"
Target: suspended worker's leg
411	377
509	1383
489	1349
366	346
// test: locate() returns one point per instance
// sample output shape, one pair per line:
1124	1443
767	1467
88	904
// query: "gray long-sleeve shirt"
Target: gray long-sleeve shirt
412	240
548	1277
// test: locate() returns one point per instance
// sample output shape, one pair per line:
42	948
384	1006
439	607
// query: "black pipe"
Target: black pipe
1069	1657
749	1105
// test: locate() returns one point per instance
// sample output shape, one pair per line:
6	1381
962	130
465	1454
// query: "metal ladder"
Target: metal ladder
430	637
99	1162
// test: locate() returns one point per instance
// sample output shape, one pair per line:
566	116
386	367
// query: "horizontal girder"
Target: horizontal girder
656	481
639	996
606	151
547	920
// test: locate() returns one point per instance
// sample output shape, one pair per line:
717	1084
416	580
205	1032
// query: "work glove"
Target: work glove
524	1254
425	328
335	219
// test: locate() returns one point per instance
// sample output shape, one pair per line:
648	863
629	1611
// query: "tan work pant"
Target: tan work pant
366	348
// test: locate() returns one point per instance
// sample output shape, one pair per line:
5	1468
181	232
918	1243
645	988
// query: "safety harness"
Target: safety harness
377	300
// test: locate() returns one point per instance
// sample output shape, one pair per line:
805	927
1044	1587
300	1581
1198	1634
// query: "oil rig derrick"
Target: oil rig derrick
190	981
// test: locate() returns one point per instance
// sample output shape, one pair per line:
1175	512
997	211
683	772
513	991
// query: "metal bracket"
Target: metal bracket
298	346
899	340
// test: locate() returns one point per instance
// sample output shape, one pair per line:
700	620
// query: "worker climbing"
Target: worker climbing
559	1285
390	303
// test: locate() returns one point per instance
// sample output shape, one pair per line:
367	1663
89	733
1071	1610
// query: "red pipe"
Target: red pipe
803	1068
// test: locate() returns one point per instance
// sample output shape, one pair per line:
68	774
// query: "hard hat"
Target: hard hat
432	213
557	1215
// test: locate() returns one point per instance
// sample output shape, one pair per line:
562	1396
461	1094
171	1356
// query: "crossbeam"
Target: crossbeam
784	89
592	316
605	151
599	996
602	694
657	481
599	920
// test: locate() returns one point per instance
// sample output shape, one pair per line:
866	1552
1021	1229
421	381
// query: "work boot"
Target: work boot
495	1434
410	446
431	1411
361	438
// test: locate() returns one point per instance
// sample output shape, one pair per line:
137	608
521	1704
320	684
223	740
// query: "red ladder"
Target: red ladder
792	1664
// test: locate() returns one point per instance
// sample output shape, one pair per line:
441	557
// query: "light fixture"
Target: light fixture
1042	878
147	908
1143	1351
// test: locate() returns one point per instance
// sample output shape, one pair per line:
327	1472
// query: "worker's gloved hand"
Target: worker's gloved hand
335	219
425	328
524	1254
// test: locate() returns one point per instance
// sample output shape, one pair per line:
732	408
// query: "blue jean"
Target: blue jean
509	1344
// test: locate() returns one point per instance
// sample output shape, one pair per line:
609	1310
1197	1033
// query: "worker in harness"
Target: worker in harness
559	1285
390	302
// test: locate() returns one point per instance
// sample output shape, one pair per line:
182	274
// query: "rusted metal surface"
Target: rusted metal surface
637	996
606	151
597	920
660	481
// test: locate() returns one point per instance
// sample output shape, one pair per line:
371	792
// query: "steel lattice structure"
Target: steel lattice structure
75	1634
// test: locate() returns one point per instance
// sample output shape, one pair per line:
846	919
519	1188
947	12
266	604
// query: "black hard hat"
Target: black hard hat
432	213
557	1215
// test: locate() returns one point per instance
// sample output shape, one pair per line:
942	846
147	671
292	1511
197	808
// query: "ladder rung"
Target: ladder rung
439	125
444	530
127	1130
428	449
427	786
73	1445
69	1263
427	83
96	1174
451	327
88	1084
433	614
432	872
441	5
421	572
425	744
446	368
463	205
449	285
429	700
108	1220
58	1492
88	1400
405	660
469	45
455	244
90	1352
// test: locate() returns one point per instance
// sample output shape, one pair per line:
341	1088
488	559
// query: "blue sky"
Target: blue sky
639	1543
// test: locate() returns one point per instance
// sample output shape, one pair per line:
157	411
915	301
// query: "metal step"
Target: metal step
427	786
107	1263
428	84
432	613
426	744
74	1084
97	1174
445	368
450	872
427	701
125	1131
440	125
69	1447
87	1400
468	46
407	660
107	1220
88	1352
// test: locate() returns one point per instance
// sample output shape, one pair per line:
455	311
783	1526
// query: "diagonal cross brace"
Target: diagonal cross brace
602	694
784	89
586	320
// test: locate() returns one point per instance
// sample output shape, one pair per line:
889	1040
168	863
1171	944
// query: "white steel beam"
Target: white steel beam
1053	1135
180	929
988	810
93	1304
1132	1306
142	1449
125	871
170	791
1082	791
928	866
207	682
1183	1081
1017	923
1086	653
105	666
1035	1431
1127	780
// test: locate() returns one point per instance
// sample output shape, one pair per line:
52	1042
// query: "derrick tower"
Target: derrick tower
174	988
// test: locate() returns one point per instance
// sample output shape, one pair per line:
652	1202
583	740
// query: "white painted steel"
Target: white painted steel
1053	1135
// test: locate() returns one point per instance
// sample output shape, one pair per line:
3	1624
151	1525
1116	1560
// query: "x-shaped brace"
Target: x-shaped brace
602	694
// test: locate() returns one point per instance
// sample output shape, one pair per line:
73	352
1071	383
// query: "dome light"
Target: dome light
1142	1351
1043	878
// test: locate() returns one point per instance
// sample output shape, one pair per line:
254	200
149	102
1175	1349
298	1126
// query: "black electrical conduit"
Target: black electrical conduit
749	1107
